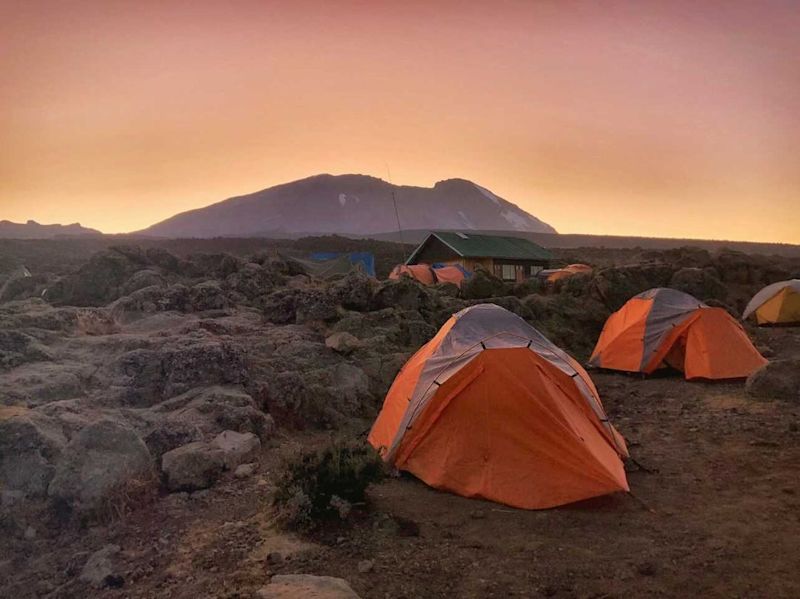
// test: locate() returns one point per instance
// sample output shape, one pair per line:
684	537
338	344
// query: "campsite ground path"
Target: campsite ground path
718	515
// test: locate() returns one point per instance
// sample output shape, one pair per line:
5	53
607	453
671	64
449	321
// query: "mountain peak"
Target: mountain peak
34	230
351	204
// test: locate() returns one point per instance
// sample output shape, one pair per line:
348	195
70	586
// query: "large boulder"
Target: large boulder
702	283
18	287
363	325
279	307
208	296
163	259
307	586
779	379
381	363
404	293
35	313
253	281
314	305
192	467
18	348
147	376
571	322
747	269
39	383
615	286
414	331
354	291
203	413
342	342
685	256
171	432
101	280
101	459
318	396
482	284
299	305
101	569
213	266
141	279
150	300
30	444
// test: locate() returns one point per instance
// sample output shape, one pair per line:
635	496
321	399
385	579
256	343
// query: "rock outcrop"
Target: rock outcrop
192	467
101	459
780	379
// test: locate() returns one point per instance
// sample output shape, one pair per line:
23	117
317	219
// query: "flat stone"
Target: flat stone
245	470
192	467
306	586
237	448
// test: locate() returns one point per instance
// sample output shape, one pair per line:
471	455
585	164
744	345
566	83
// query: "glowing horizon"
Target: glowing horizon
656	119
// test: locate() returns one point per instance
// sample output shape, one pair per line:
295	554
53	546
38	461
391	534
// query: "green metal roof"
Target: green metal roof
469	245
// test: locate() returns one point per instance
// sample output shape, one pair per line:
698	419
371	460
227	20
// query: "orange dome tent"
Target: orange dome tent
568	271
428	275
421	272
666	327
449	274
778	303
490	408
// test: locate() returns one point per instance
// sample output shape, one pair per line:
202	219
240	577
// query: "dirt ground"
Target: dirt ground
717	515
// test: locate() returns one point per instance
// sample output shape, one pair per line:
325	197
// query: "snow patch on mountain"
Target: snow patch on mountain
344	198
488	194
520	222
469	224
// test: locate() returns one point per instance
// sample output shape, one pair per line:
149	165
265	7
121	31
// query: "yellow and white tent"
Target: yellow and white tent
778	303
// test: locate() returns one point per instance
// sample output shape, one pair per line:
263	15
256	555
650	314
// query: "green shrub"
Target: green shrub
322	485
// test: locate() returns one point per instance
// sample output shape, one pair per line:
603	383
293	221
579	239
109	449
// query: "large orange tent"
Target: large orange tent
490	408
428	275
420	272
778	303
568	271
447	273
665	327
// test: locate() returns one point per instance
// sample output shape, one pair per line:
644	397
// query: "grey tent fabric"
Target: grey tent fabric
768	293
479	328
670	308
323	269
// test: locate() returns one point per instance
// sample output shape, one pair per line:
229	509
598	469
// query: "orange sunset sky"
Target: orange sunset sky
672	119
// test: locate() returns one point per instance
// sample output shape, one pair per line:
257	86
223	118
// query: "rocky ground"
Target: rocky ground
148	399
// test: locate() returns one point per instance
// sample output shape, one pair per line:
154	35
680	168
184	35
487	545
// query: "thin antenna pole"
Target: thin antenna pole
396	213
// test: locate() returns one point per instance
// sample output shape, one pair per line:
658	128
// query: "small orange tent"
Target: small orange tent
568	271
778	303
490	408
666	327
420	272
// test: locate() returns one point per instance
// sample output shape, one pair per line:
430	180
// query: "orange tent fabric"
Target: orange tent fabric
568	271
665	327
421	272
490	408
449	274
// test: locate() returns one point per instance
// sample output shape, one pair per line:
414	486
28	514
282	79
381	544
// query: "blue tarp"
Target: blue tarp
365	259
466	272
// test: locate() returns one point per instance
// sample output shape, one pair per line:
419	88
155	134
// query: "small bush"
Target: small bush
322	485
